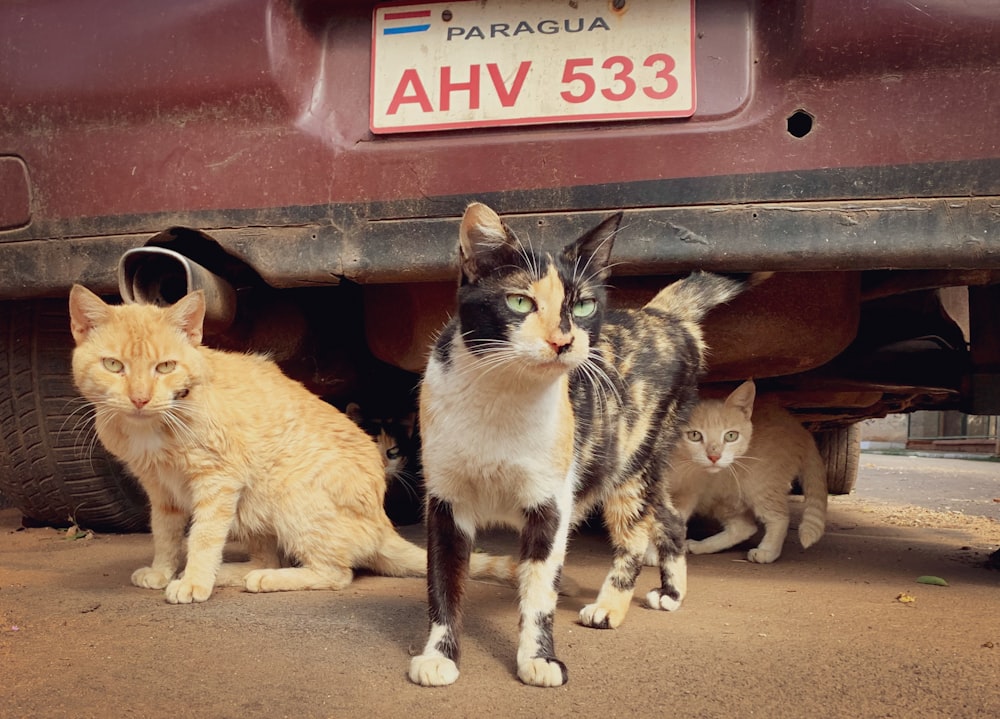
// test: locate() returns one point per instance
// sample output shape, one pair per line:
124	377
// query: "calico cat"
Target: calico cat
226	442
398	441
735	462
531	415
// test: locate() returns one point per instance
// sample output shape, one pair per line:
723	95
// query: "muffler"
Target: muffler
158	276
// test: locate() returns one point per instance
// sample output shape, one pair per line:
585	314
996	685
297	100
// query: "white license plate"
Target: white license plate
487	63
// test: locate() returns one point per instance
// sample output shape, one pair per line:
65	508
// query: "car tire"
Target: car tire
52	467
840	449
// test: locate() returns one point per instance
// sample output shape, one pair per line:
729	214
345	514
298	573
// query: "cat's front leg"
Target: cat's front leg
212	520
668	533
735	529
775	531
629	527
167	523
543	551
263	551
683	508
449	549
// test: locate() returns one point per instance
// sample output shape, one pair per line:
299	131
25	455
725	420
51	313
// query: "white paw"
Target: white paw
541	672
184	591
230	575
433	671
656	600
696	546
149	578
809	536
256	581
598	617
651	558
762	556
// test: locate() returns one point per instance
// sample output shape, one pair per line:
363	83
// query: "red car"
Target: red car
309	161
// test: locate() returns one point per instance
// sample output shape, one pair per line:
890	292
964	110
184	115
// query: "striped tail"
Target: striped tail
814	490
691	298
398	557
487	566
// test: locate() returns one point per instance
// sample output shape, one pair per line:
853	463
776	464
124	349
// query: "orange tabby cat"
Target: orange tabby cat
229	444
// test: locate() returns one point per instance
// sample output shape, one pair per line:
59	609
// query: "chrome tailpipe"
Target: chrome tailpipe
158	276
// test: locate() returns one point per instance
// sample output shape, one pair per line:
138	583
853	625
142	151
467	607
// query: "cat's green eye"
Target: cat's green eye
113	365
585	307
166	367
731	436
522	304
694	435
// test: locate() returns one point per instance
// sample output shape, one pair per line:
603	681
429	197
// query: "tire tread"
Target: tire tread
49	468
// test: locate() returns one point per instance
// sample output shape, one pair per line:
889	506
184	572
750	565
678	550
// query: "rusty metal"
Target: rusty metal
856	137
158	276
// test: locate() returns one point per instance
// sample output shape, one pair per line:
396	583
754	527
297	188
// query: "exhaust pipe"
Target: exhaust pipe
158	276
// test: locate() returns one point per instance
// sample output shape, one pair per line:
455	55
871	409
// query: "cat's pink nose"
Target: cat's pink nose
561	344
140	402
713	458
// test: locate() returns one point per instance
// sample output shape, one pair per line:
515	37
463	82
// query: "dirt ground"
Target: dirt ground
821	633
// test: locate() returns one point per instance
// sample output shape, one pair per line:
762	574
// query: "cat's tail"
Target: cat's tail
398	557
813	479
692	297
488	566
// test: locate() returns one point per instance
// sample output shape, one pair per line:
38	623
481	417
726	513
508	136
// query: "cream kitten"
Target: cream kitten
227	444
735	462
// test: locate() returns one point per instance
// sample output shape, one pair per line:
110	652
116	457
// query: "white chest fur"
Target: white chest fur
495	443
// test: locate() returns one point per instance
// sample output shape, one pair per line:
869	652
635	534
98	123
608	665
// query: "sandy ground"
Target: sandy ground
821	633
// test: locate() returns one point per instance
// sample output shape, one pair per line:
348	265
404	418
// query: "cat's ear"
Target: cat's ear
354	413
409	423
742	398
484	242
86	311
188	315
592	252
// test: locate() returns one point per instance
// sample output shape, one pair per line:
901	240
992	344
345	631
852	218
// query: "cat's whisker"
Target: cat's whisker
581	274
603	285
82	406
602	385
86	440
81	419
492	355
408	482
178	427
735	475
598	373
682	462
598	356
103	415
179	418
486	361
84	431
529	256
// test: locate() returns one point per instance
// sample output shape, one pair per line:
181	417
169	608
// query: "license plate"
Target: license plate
491	63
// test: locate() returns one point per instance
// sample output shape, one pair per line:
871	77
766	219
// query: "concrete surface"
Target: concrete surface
821	633
944	484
